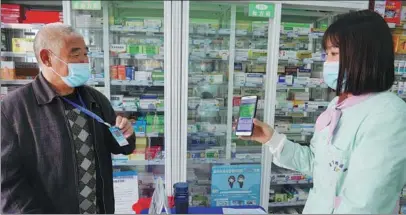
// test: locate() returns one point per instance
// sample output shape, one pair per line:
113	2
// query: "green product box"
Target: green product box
281	197
158	76
150	50
134	49
134	22
153	119
155	129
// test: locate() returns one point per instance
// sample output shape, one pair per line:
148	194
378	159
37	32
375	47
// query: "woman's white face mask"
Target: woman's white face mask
331	67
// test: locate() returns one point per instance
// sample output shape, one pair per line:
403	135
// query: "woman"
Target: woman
357	156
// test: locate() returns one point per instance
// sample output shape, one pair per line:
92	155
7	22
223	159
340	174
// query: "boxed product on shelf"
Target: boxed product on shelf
254	80
22	45
257	54
302	96
141	142
134	22
393	11
252	91
152	23
130	103
158	78
296	193
241	54
116	49
155	129
209	104
86	21
192	128
152	104
152	152
257	68
214	128
242	27
401	45
42	16
155	119
236	101
117	100
212	153
196	154
7	70
204	26
137	154
260	28
114	72
11	13
143	78
301	80
140	127
215	78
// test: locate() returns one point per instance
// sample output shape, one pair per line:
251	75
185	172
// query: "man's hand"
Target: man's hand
125	126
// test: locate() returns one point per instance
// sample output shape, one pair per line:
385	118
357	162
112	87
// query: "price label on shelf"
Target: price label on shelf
224	31
124	55
307	61
141	56
241	32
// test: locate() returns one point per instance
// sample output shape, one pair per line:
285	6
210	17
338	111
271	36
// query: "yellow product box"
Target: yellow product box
304	54
141	142
257	53
401	46
138	154
7	71
243	27
22	45
395	38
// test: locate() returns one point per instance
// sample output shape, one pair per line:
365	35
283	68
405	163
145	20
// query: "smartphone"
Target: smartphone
248	109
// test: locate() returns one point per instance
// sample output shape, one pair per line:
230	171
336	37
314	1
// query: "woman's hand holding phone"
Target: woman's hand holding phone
261	132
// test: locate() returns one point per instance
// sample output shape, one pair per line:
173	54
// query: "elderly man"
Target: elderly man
56	134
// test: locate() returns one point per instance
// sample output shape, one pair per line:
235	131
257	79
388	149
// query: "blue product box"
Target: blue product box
129	73
140	127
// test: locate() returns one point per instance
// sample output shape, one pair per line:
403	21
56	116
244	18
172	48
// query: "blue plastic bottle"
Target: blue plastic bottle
181	198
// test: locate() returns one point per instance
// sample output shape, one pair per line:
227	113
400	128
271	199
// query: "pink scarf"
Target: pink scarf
331	116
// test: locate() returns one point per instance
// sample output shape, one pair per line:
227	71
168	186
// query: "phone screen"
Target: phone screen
248	108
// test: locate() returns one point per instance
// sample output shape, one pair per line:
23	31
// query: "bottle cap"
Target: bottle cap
181	187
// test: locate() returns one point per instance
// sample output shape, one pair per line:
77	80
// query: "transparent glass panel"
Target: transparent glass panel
215	154
301	97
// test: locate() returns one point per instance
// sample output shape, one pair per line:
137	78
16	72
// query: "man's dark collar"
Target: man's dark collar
44	93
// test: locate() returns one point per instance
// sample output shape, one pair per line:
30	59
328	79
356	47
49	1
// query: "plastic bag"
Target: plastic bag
159	199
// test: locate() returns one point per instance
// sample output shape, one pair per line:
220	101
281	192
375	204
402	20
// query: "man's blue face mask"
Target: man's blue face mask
78	73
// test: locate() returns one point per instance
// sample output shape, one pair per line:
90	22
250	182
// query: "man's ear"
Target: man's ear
45	57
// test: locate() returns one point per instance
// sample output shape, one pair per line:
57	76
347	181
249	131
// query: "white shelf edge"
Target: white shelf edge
24	26
287	204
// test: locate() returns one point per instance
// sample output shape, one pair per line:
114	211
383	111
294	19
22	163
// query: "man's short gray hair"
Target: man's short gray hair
51	36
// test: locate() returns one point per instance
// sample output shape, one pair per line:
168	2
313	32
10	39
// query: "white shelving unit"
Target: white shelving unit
184	125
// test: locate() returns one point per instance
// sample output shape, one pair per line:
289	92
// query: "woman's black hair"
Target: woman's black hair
366	52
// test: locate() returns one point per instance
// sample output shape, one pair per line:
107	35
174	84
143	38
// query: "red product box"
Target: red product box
11	7
152	152
38	16
393	11
10	14
236	101
10	19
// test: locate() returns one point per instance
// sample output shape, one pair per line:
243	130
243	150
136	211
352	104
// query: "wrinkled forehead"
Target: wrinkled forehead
73	44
